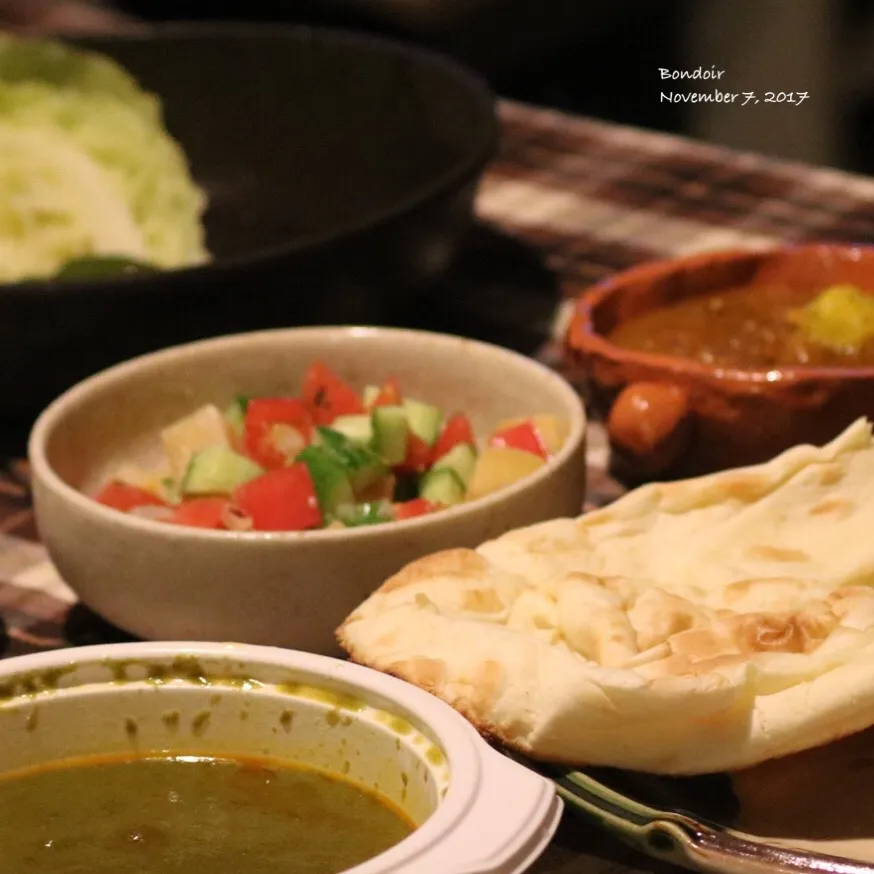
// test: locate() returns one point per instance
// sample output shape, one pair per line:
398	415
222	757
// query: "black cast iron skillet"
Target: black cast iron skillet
341	171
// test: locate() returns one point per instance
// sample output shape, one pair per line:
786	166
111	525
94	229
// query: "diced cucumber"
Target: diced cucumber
425	420
329	477
217	470
442	486
461	459
362	465
235	413
390	428
372	513
358	428
369	395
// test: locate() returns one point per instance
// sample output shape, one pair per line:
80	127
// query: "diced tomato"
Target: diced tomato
524	436
456	430
416	507
326	396
201	512
265	420
418	456
121	496
281	500
389	395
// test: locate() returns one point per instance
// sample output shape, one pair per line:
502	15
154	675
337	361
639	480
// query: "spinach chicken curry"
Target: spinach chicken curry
189	815
760	326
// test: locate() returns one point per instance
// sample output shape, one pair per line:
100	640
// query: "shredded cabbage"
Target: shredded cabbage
86	166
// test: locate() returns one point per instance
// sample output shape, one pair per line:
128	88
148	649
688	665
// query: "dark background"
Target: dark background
601	57
578	55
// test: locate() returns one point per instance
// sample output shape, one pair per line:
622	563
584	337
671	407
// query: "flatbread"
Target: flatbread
691	627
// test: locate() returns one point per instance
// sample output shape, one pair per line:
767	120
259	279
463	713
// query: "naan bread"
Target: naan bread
690	627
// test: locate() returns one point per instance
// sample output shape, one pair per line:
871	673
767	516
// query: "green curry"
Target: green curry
187	815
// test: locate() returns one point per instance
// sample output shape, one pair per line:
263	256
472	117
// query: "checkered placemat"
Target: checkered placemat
594	198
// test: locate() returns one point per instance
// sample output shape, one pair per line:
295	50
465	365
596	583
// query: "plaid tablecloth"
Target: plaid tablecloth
595	198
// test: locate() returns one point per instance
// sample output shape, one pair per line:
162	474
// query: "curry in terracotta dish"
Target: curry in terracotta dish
760	326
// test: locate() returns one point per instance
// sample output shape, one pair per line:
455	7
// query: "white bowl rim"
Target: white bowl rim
52	415
465	751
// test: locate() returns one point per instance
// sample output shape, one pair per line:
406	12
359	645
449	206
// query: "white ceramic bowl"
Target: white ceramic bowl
476	811
169	582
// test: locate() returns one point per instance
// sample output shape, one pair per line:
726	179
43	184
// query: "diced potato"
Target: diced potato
288	440
498	467
204	427
553	429
149	480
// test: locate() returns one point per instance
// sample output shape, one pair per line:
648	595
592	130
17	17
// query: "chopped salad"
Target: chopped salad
327	458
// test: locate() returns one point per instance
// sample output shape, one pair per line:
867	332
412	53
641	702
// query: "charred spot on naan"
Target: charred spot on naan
830	474
473	695
463	563
658	615
682	665
776	553
741	487
848	595
744	487
429	674
484	600
543	538
701	645
776	592
854	606
620	590
793	633
546	544
478	692
746	634
426	673
686	638
838	507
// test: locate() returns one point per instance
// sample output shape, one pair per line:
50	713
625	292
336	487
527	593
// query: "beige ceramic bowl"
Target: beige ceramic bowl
161	581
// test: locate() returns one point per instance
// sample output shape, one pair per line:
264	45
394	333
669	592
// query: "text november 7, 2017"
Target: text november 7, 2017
716	95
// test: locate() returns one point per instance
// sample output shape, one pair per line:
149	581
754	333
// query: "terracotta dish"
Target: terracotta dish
675	416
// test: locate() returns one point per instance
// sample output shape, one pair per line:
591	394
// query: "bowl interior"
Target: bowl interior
296	133
197	705
807	268
117	416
